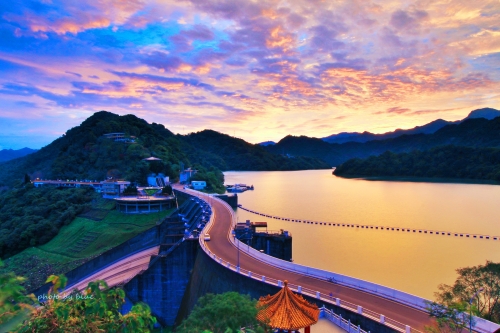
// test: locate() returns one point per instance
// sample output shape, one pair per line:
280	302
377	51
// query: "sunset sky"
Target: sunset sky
258	70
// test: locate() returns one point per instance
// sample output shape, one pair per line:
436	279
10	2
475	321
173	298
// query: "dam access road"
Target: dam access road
221	245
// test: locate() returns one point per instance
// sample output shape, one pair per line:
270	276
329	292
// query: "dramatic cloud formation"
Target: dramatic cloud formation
257	69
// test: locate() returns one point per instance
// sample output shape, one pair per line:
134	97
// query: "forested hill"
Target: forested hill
478	132
237	154
449	162
84	153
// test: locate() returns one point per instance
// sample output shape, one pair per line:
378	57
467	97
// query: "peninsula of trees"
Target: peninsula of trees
446	162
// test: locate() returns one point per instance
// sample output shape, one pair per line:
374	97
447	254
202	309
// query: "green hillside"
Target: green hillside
237	154
91	233
84	153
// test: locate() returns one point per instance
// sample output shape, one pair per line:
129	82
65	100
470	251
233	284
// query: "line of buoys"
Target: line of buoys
375	227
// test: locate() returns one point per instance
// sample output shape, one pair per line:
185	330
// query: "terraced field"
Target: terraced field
87	236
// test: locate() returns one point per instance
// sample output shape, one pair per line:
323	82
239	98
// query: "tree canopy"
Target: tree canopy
32	216
13	298
440	162
477	289
223	313
96	309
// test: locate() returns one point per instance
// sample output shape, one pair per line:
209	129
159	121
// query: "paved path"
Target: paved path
121	271
224	248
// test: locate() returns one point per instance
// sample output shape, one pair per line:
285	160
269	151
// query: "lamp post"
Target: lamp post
470	307
234	236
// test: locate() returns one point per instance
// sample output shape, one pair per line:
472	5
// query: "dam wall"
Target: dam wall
208	276
163	285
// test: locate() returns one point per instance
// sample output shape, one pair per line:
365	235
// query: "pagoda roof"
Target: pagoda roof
286	310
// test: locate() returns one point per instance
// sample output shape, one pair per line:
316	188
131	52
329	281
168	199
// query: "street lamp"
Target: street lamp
234	236
470	307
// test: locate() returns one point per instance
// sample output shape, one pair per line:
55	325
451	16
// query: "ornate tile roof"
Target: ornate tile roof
286	310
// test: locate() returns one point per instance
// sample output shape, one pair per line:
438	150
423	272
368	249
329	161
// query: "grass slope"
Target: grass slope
84	238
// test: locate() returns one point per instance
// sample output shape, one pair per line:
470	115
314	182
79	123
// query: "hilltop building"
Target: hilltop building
113	188
68	183
186	175
199	184
120	137
144	205
158	180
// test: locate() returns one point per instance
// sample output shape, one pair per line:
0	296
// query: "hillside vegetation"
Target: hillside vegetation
91	233
450	162
237	154
32	216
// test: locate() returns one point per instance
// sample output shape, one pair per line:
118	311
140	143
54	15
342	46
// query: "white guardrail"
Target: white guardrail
482	325
344	324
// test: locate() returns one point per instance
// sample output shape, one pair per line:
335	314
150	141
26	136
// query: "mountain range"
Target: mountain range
10	154
432	127
473	131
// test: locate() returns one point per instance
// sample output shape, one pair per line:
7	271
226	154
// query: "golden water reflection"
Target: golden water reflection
415	263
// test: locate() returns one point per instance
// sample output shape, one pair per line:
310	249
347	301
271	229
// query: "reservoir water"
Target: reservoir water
411	262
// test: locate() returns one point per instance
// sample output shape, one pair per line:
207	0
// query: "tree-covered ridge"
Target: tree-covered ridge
440	162
478	132
33	216
84	153
237	154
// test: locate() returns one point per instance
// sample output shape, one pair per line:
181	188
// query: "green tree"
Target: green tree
476	290
223	313
130	190
167	190
451	318
12	296
96	309
470	280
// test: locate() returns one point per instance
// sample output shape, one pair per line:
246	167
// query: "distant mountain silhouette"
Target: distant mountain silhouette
267	143
432	127
488	113
10	154
474	132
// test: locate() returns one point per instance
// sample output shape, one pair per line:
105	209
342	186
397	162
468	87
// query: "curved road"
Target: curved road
224	248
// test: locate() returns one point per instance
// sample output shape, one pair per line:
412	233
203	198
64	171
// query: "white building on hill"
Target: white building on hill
199	184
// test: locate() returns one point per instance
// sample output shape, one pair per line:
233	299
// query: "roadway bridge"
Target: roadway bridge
395	309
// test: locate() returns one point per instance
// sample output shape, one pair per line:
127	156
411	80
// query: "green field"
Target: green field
87	236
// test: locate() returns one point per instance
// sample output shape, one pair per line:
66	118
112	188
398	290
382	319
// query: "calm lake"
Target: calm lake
411	262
